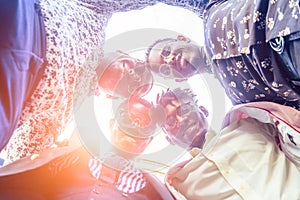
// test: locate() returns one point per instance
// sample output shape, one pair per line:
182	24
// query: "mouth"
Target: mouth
183	67
179	62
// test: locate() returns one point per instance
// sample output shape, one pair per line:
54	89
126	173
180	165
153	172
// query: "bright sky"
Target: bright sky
126	32
159	16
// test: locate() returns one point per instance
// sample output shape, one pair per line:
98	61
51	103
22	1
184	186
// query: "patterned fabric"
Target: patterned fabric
95	167
130	179
75	32
199	7
75	36
62	163
237	33
233	26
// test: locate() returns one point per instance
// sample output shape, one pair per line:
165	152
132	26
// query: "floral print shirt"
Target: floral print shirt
75	31
237	36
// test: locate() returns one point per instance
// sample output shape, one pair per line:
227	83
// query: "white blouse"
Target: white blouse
242	162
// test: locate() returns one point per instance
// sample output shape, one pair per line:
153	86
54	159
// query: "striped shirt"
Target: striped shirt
130	179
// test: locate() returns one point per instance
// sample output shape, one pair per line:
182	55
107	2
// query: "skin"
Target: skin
121	75
127	143
185	125
179	59
140	112
132	128
185	134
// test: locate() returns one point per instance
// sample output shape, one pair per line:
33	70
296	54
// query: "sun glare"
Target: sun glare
133	31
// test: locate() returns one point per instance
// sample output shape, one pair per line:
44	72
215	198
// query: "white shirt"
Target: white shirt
242	162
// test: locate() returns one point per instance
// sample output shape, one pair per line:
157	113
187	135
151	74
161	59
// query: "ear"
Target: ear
183	38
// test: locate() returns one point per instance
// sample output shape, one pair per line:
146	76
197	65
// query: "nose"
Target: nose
170	60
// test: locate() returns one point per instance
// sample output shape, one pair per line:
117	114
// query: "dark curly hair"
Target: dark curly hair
155	43
182	126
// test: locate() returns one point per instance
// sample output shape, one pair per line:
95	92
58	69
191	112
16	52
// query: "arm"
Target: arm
198	7
112	6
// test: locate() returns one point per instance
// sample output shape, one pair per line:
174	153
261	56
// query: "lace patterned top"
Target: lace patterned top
75	32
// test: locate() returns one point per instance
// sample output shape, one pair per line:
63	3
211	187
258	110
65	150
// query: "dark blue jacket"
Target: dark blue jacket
22	54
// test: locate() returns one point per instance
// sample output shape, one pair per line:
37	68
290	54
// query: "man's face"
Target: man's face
132	128
126	142
185	121
186	124
175	59
122	76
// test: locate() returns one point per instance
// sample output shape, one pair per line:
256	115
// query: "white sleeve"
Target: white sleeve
242	162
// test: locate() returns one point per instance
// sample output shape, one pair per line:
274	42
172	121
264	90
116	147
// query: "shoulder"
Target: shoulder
35	161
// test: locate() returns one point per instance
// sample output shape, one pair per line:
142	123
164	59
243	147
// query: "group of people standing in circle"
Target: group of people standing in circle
51	60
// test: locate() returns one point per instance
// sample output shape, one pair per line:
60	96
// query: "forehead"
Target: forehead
115	57
179	100
124	57
124	62
154	57
109	59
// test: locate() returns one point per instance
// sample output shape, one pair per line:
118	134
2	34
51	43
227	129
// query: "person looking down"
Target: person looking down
255	155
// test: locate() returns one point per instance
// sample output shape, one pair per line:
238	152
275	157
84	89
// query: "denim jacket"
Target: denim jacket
22	54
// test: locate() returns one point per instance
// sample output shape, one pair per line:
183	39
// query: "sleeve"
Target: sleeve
198	179
114	6
242	162
198	7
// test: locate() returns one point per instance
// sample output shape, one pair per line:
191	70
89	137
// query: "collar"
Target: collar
263	111
115	171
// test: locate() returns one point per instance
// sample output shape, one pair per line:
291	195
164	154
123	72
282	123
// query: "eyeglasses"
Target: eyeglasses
131	66
168	69
165	69
165	52
134	73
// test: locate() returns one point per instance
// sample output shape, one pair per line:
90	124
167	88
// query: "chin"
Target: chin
199	140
